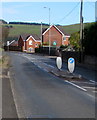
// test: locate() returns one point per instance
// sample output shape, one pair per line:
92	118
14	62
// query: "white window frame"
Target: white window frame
64	38
30	42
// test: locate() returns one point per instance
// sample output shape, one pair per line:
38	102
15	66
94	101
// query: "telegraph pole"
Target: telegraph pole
81	33
49	34
41	33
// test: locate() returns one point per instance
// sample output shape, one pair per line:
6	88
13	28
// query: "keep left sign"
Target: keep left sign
71	64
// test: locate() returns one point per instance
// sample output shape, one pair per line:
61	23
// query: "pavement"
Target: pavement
8	105
0	92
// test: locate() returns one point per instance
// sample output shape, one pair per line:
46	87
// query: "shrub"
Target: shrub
90	39
37	50
74	40
63	46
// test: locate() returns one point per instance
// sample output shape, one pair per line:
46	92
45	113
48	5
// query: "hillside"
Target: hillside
74	28
2	21
16	30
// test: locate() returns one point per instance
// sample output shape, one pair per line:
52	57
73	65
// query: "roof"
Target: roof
63	31
26	36
59	28
36	37
43	30
15	43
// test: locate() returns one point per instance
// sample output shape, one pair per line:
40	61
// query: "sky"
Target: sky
61	12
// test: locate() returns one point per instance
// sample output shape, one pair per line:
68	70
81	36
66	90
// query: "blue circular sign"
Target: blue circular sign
71	60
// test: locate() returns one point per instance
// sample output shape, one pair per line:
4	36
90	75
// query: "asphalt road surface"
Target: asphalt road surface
39	94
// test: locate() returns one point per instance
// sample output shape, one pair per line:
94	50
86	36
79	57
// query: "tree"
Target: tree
4	34
90	39
74	40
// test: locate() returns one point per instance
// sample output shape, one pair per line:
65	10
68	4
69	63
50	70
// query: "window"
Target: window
30	49
36	45
30	42
64	38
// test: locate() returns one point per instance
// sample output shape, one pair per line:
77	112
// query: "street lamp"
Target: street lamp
49	30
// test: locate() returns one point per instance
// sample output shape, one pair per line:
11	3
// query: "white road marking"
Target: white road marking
75	85
55	73
94	91
93	81
51	66
88	87
58	75
27	57
45	63
45	70
93	97
84	82
39	66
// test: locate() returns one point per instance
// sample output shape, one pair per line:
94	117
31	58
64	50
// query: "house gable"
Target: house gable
33	39
52	36
55	37
31	43
20	41
55	28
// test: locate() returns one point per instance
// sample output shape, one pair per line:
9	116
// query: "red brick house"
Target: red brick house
56	36
29	42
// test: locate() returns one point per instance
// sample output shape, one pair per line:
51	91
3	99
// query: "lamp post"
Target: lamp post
49	30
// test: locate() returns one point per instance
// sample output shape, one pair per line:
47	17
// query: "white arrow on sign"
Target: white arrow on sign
71	64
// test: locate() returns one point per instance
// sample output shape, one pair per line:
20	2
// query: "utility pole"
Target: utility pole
41	33
49	33
81	33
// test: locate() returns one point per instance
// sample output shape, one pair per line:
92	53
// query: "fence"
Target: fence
53	51
12	48
45	50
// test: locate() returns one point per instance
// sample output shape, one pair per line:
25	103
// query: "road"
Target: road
40	94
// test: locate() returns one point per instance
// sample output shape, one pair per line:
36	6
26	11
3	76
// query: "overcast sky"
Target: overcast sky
63	13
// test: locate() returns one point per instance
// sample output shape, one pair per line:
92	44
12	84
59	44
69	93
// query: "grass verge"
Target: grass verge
5	61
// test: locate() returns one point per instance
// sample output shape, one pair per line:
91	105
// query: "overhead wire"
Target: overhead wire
68	13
